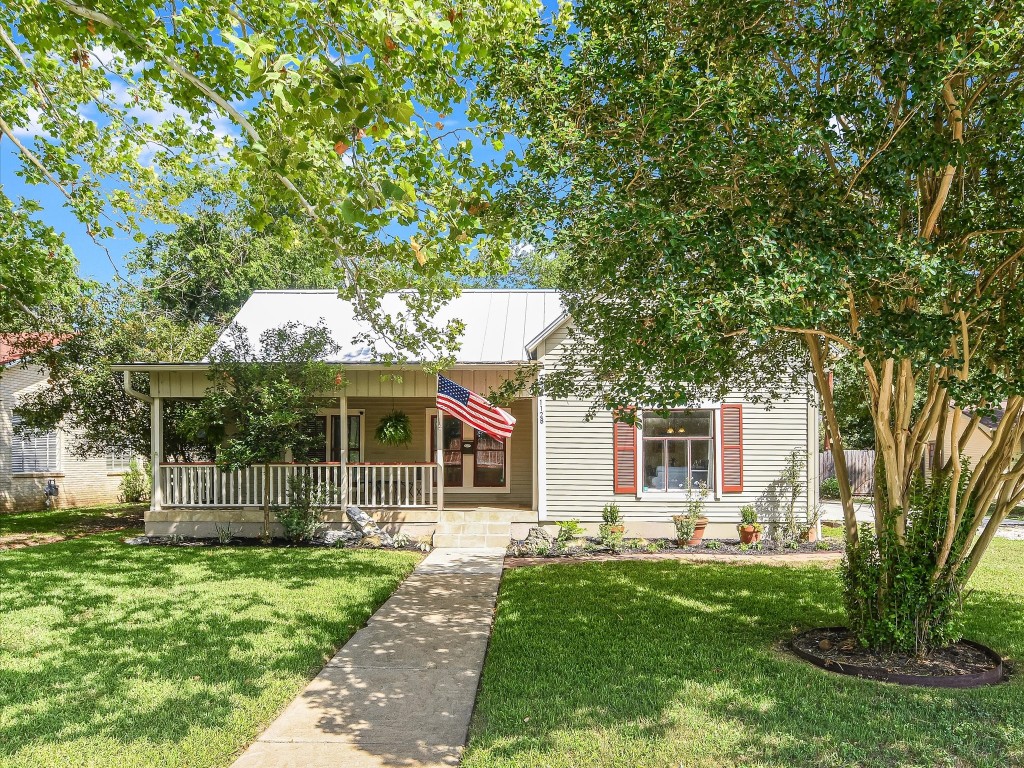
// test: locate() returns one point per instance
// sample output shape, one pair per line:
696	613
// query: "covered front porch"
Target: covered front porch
447	465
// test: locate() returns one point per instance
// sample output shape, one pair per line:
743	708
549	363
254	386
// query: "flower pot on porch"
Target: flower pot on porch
748	534
698	533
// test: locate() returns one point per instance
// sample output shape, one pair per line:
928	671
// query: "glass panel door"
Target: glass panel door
488	461
354	454
451	441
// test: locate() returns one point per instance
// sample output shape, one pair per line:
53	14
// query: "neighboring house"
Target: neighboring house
977	444
29	464
556	466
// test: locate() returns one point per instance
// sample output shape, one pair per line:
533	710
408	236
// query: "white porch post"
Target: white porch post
343	447
439	458
156	451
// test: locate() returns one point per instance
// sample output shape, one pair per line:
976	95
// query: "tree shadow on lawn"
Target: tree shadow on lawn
667	664
145	644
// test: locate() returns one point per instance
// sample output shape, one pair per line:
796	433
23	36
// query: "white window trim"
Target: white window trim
467	471
716	448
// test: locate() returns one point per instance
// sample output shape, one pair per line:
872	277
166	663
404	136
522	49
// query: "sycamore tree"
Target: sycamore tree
738	189
332	116
261	398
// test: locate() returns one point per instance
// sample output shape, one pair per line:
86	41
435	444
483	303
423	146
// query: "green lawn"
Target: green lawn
666	664
25	528
129	657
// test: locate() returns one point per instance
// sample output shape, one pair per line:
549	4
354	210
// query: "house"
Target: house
555	466
29	465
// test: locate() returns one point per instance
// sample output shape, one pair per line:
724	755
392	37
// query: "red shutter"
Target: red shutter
732	448
624	458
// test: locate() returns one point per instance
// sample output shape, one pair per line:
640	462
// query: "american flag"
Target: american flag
473	409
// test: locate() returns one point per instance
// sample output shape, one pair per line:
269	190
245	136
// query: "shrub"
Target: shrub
829	488
569	529
612	536
304	514
713	544
135	485
611	514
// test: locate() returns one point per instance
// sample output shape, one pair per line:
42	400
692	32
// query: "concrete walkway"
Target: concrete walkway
401	691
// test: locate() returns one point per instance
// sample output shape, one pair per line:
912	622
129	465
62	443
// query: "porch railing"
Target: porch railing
392	485
380	485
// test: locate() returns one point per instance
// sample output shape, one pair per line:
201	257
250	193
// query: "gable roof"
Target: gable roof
499	324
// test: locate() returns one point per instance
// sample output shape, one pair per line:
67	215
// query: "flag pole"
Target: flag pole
439	456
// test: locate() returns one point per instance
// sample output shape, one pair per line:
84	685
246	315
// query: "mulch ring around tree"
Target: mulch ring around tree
964	664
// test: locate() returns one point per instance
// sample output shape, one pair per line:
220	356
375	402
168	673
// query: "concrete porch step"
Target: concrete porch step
481	527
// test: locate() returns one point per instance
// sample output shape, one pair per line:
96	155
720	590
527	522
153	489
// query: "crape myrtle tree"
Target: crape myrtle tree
261	398
739	189
329	115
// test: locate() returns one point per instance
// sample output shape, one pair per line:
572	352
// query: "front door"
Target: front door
472	459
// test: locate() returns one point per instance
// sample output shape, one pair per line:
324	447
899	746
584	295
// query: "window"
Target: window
119	463
678	450
33	453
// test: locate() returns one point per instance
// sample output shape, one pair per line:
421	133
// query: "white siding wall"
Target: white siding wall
82	482
579	458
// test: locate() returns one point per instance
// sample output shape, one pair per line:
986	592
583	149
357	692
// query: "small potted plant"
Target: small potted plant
612	528
690	525
809	532
749	528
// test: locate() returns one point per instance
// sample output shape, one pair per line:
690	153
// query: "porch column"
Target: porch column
439	458
156	451
343	447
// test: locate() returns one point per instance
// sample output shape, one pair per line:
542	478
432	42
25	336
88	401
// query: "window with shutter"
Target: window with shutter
624	458
732	448
33	453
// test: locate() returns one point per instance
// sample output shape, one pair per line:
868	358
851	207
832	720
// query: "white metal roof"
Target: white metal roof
498	323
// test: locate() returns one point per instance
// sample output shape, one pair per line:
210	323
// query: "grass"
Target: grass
668	664
128	657
29	528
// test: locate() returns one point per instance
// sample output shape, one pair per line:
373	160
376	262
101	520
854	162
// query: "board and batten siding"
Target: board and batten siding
579	458
519	457
82	481
360	381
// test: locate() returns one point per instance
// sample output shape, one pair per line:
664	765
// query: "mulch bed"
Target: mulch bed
729	551
964	664
277	543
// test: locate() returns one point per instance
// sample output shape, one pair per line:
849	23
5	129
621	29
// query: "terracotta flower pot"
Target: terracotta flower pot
698	532
748	534
809	534
616	528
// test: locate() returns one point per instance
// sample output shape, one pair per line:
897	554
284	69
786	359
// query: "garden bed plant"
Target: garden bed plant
540	544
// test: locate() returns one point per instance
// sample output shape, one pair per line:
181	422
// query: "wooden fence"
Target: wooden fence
861	467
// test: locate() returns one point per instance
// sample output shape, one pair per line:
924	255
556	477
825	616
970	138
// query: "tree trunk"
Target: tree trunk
265	538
